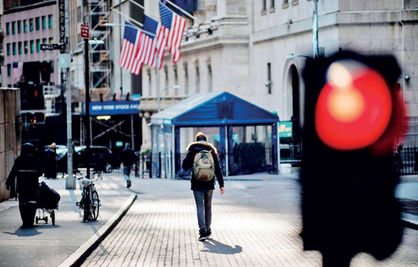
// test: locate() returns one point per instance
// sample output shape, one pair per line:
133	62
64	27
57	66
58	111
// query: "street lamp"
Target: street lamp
70	182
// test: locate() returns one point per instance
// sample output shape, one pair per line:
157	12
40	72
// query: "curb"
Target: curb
7	204
410	221
80	255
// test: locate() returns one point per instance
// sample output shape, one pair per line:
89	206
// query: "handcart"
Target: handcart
42	215
47	203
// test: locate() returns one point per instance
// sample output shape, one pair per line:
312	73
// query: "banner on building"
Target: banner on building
120	107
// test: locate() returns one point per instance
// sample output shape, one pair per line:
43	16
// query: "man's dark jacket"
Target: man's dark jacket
192	150
127	157
27	168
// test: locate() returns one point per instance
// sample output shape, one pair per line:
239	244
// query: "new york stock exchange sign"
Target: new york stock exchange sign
120	107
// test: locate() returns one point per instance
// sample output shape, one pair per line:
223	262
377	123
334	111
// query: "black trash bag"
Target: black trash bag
48	198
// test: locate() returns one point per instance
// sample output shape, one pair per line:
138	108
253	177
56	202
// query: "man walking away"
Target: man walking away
27	168
202	158
51	161
128	158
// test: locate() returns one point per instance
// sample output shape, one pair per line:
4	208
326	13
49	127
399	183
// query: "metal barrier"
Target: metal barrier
291	153
406	160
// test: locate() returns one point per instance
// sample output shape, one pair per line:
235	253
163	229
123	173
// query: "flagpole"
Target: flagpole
128	17
137	4
137	22
182	10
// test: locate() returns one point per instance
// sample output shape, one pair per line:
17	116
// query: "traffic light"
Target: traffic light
354	118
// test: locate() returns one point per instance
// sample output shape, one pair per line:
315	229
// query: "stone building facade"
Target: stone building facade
25	29
9	135
256	49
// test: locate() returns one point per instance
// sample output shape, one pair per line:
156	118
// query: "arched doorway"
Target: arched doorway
290	146
295	89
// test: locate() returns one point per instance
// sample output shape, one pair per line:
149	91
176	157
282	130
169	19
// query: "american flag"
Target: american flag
174	26
147	45
130	49
155	28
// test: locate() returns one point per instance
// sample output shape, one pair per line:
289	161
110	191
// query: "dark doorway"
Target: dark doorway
294	82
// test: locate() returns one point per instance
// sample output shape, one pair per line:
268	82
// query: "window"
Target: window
9	70
79	14
264	6
51	40
149	83
25	47
44	22
32	46
14	49
269	82
20	48
38	45
14	27
19	26
285	4
210	80
37	23
166	79
52	66
186	79
25	25
44	40
197	81
272	4
7	28
31	25
176	81
8	49
50	21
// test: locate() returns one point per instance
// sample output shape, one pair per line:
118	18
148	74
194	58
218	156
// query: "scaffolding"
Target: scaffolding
101	68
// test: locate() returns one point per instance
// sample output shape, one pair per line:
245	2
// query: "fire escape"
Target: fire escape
100	54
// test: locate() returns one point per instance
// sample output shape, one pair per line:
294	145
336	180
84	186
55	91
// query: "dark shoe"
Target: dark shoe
202	235
128	184
208	233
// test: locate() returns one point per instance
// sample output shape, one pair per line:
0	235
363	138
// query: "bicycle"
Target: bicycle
90	201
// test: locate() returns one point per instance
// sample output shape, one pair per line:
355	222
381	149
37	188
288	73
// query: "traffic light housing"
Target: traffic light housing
354	117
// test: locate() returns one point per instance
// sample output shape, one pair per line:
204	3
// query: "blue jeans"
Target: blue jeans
127	172
203	201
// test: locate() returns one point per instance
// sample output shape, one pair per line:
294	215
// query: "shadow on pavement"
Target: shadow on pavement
22	231
217	247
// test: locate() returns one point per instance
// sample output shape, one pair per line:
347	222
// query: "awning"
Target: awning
213	109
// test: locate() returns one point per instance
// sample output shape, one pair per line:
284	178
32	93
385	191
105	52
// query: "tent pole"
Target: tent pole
173	152
226	151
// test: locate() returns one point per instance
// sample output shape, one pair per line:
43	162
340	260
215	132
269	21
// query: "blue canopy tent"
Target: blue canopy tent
219	110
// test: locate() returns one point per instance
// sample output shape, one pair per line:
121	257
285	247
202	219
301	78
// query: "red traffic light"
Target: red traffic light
353	108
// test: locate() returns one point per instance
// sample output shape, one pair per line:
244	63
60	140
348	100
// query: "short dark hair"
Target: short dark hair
201	137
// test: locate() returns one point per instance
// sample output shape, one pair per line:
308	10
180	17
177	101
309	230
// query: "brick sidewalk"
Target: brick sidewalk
254	224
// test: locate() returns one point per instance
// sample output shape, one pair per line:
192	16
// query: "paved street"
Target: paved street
256	223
